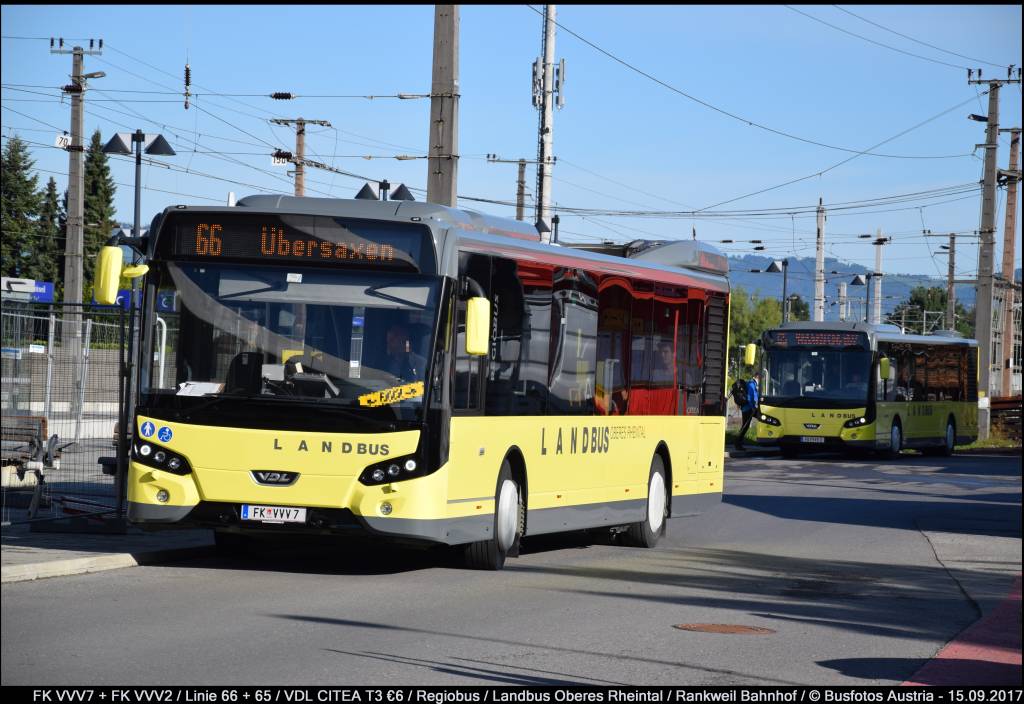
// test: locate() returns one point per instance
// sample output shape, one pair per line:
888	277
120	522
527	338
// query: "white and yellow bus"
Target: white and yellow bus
843	386
420	373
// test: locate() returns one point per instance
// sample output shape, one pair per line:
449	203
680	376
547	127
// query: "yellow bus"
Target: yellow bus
419	373
855	386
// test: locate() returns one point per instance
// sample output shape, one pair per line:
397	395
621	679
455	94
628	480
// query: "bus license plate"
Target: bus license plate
273	514
811	438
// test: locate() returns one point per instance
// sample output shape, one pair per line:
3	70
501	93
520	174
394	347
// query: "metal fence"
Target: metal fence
59	400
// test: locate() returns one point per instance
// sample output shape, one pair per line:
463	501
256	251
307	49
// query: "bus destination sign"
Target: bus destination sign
292	238
837	339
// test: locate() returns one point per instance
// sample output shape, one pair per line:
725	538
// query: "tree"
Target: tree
799	309
49	259
20	208
931	300
99	208
749	317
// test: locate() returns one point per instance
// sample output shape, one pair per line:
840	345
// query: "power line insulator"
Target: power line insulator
282	96
280	154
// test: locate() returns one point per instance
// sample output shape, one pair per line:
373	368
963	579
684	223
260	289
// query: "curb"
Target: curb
99	563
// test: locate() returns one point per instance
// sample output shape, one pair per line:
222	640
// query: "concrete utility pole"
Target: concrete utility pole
547	91
75	242
876	281
1009	257
819	266
520	182
842	301
443	141
300	149
986	247
950	285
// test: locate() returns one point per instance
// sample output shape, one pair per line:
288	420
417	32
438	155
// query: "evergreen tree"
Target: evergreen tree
48	264
99	208
20	208
933	301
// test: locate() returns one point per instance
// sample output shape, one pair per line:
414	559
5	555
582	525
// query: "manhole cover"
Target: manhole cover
724	628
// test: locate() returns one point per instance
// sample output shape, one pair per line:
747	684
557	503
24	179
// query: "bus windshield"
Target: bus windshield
817	378
339	339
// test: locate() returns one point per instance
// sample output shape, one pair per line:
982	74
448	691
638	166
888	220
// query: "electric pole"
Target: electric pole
443	142
950	285
986	247
876	281
300	148
547	92
520	182
842	301
819	266
1009	259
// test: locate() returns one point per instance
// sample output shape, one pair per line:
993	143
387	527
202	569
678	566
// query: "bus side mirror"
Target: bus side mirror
108	274
134	272
478	325
883	368
750	355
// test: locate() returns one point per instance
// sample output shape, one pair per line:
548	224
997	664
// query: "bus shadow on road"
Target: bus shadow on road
966	517
343	557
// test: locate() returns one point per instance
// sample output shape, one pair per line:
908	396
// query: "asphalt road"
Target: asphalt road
859	571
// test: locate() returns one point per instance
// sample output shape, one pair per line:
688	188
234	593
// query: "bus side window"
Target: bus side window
614	301
573	357
469	369
521	318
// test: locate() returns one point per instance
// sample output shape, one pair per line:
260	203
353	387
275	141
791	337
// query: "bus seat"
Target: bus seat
245	373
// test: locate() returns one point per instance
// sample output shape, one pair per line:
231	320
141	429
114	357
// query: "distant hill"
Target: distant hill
895	287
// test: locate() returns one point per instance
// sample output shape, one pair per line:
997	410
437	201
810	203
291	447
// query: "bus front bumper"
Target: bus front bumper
827	444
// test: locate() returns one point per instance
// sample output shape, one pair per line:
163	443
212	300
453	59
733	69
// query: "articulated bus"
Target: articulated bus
854	386
419	373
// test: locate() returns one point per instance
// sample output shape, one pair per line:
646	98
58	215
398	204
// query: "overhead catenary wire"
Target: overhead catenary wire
918	41
727	113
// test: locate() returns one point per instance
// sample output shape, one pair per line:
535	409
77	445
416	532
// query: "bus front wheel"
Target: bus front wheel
645	533
508	525
895	440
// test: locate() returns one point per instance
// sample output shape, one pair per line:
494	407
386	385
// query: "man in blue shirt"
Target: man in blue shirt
749	408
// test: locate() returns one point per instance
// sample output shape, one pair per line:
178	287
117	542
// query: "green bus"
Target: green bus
837	386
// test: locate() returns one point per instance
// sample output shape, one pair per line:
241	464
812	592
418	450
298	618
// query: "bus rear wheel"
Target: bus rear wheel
645	533
948	442
508	525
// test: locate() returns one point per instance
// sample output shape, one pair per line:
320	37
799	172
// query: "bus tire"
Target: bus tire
895	440
508	525
645	533
948	441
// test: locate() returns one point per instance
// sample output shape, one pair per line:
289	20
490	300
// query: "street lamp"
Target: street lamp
776	267
153	144
156	145
865	280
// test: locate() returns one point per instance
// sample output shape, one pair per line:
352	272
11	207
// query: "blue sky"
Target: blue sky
623	142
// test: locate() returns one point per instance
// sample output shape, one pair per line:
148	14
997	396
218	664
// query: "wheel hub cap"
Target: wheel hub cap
508	512
656	502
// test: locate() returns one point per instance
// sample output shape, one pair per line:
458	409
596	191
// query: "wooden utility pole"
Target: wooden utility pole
443	158
1010	259
300	148
986	247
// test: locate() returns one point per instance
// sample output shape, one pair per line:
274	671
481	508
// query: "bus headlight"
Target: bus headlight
768	420
855	422
157	457
391	471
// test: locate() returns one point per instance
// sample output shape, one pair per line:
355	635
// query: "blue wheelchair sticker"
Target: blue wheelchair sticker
165	434
148	429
